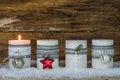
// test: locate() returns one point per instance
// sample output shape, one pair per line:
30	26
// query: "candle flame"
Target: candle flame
19	37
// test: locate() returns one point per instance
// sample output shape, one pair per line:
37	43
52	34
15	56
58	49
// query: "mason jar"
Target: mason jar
76	53
48	48
102	53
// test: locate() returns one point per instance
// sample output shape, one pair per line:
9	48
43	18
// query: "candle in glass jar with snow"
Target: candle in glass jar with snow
102	53
47	54
76	53
19	53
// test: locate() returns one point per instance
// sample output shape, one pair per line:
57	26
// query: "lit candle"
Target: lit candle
19	41
19	53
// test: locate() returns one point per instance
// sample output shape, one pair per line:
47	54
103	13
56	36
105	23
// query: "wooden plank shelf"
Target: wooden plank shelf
59	19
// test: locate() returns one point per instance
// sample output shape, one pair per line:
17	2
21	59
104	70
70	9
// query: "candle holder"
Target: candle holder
76	53
50	49
102	54
19	54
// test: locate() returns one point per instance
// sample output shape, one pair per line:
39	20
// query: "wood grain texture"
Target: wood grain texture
59	36
59	19
61	15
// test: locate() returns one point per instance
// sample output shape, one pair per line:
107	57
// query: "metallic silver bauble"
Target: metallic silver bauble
18	63
105	58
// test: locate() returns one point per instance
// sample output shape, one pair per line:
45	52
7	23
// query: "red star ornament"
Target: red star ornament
47	63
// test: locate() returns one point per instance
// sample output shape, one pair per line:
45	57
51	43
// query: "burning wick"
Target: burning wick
19	37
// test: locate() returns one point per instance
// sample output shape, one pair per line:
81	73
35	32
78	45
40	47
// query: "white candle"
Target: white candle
19	53
72	58
102	53
47	47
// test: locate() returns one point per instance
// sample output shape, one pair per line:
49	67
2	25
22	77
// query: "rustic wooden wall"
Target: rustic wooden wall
59	19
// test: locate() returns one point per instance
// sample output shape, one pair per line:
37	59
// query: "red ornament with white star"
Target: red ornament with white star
47	63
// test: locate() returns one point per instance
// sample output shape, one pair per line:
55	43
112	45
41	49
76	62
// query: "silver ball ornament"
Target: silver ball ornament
18	63
105	58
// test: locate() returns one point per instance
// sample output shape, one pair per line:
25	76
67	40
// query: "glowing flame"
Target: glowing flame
19	37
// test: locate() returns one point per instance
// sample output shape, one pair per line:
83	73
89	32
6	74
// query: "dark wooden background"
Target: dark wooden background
59	19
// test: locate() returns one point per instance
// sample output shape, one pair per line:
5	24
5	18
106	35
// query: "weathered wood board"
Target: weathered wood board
60	15
59	19
33	36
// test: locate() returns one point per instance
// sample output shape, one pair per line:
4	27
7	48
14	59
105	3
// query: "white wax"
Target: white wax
102	42
19	51
40	65
47	42
22	51
72	44
26	65
96	63
19	42
71	61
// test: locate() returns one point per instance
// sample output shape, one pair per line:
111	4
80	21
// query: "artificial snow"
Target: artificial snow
60	72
